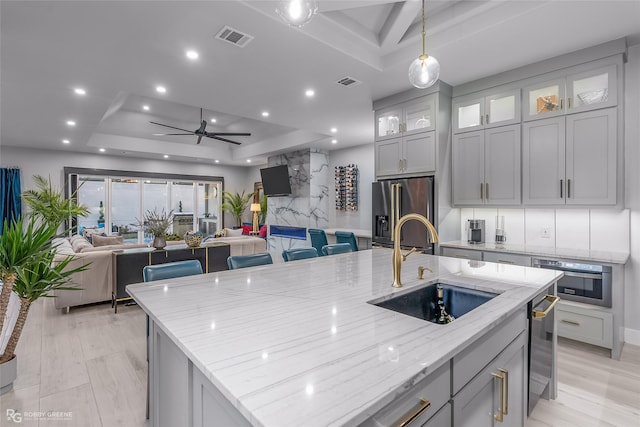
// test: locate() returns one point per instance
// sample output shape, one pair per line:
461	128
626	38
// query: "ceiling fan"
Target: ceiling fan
200	132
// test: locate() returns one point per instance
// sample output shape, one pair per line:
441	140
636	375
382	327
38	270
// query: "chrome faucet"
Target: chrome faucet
398	256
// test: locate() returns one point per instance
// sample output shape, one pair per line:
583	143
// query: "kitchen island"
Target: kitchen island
298	344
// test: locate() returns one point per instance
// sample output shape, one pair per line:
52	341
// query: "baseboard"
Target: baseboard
632	336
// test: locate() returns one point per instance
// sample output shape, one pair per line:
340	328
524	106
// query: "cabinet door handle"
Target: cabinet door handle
569	103
570	322
561	103
499	417
422	406
568	188
505	406
561	187
486	119
481	191
481	117
504	261
486	191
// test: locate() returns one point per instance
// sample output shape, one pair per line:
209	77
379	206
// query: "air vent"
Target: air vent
234	37
348	82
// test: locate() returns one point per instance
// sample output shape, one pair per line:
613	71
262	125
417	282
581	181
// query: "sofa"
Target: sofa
96	282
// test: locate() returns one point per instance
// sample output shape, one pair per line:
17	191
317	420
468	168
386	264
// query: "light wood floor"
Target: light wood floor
92	363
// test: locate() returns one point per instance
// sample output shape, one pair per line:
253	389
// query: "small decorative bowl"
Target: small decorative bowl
193	238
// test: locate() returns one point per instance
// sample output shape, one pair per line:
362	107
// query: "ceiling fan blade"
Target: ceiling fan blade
170	134
228	134
173	127
200	130
199	139
223	139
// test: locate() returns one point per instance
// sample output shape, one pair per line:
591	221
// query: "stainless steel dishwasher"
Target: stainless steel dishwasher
541	327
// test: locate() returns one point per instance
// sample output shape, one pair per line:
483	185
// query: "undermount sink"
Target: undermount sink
422	303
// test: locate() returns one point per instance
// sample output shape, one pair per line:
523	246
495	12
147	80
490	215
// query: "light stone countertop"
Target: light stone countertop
610	257
297	343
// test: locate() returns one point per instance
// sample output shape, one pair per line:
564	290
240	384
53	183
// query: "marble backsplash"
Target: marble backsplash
308	204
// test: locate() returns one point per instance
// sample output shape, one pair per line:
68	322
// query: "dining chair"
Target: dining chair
243	261
169	270
299	253
347	237
318	239
337	248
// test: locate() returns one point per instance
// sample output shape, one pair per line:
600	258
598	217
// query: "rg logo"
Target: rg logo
13	415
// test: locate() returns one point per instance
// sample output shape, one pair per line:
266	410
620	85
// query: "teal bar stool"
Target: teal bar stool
171	270
318	239
347	237
299	253
338	248
243	261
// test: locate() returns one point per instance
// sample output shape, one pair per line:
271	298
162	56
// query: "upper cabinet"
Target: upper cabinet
409	118
573	93
495	108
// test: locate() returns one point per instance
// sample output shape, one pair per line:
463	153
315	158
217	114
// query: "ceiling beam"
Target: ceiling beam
396	25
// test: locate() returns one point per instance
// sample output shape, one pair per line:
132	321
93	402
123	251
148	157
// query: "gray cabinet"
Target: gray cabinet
496	396
412	154
571	160
407	118
486	110
486	167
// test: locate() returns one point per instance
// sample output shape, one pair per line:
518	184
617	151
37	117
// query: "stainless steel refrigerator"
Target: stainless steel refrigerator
397	197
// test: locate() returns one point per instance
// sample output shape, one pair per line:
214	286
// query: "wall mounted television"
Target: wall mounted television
275	181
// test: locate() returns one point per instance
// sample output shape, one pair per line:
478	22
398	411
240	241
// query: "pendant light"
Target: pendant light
297	12
424	70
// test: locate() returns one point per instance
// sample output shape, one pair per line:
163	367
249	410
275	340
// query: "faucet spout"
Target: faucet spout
398	257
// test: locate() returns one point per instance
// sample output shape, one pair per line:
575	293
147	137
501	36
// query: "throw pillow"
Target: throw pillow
233	233
263	231
88	233
247	229
79	244
99	240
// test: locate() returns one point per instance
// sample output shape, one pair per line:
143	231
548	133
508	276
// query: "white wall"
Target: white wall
362	156
51	163
632	193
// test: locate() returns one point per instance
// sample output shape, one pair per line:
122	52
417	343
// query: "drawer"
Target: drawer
461	253
436	388
504	258
585	323
476	356
441	419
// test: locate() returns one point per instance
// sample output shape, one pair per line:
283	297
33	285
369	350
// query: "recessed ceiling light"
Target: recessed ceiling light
80	91
161	89
166	156
309	93
102	150
71	123
145	107
334	130
192	54
213	120
66	141
248	160
216	161
334	141
265	114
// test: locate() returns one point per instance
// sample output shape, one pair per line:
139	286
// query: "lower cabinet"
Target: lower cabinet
496	396
461	253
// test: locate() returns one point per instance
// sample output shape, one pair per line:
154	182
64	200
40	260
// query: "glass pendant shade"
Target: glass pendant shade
424	71
297	12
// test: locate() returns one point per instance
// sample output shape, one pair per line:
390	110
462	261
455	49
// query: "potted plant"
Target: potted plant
49	205
263	210
27	268
157	223
236	204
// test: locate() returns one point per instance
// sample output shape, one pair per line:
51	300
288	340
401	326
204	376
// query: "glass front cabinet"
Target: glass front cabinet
488	111
573	93
406	119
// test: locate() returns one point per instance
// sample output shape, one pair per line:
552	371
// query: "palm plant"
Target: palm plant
49	204
236	204
263	209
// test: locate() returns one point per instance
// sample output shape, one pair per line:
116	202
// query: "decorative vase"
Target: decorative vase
193	238
8	374
159	242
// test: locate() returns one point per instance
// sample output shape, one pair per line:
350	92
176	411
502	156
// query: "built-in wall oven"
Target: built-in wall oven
587	283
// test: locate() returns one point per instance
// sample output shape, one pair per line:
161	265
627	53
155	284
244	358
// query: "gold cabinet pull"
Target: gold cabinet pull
481	191
561	187
537	314
481	117
569	103
505	405
499	417
568	188
422	406
571	322
486	119
486	191
561	103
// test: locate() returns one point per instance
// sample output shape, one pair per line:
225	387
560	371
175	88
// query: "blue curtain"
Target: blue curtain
10	201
